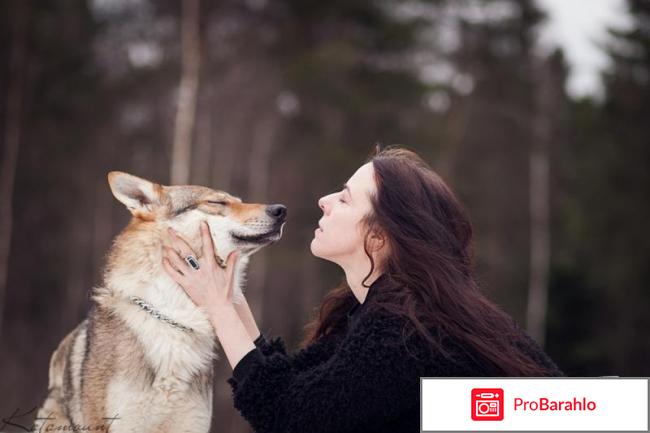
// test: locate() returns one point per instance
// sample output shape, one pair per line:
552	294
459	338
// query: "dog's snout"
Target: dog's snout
277	211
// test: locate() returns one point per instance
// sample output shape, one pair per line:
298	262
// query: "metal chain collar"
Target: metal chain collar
157	314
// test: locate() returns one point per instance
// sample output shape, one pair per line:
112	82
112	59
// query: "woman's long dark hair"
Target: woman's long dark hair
428	270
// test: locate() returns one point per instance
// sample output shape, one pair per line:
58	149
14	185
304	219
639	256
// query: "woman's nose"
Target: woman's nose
321	204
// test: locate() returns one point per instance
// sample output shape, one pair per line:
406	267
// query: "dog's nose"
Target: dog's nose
277	211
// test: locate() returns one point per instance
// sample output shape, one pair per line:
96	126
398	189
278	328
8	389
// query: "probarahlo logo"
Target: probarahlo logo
487	404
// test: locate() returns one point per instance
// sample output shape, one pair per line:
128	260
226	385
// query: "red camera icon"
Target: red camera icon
487	404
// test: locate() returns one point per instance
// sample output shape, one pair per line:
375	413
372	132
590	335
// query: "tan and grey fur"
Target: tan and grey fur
125	369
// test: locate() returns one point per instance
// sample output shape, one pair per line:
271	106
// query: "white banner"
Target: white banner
534	404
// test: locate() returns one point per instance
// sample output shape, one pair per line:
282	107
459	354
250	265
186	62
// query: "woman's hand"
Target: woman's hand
210	286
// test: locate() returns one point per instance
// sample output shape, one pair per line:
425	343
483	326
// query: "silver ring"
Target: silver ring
193	262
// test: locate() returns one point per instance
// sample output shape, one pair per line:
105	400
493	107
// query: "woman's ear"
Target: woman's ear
377	241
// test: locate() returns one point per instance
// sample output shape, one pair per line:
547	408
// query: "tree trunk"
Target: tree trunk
202	153
187	93
539	204
12	138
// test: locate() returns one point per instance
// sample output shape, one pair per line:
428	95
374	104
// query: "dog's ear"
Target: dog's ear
138	195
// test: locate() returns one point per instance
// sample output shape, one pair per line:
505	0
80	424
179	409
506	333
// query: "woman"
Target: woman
410	309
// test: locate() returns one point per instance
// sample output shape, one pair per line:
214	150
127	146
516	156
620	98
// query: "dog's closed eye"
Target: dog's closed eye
185	209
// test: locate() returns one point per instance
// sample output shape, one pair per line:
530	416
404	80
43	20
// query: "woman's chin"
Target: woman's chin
317	250
314	247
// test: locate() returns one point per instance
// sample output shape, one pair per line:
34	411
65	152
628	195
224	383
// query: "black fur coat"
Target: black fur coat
365	379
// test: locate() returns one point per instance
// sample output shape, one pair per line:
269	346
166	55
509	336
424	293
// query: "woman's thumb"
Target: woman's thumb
232	258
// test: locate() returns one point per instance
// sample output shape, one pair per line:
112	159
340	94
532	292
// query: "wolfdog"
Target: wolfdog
142	359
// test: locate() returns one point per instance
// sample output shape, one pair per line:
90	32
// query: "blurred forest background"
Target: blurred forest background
279	102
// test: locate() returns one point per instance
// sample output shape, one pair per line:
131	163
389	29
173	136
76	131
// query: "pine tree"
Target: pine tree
601	278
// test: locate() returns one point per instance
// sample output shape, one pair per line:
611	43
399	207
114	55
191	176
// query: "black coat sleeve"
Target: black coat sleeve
268	346
369	376
314	354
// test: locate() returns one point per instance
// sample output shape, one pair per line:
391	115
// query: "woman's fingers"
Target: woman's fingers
230	274
208	276
173	272
232	259
177	262
180	244
206	238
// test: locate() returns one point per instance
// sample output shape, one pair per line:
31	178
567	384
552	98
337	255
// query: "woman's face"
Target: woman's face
340	235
